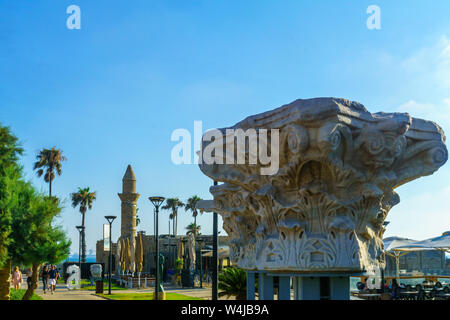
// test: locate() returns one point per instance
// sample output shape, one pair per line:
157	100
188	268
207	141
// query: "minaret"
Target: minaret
128	198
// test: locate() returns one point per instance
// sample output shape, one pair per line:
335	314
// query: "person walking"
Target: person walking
29	274
45	276
17	278
53	277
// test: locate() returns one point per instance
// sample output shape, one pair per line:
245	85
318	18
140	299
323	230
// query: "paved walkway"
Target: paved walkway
62	293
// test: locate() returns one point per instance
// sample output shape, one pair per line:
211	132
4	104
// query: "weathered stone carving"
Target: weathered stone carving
323	211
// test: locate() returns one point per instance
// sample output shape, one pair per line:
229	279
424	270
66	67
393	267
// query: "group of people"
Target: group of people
49	276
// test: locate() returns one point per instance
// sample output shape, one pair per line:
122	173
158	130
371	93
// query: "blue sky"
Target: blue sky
111	93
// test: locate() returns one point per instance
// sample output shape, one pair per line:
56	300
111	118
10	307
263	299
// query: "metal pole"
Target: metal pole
397	264
168	250
215	258
157	257
110	256
79	250
201	271
383	271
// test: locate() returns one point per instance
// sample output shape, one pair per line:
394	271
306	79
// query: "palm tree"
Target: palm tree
83	198
173	204
233	282
191	205
49	161
194	229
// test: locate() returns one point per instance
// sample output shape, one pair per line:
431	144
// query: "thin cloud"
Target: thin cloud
430	65
429	111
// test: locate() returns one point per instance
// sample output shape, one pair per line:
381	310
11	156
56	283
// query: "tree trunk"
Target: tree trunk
5	281
195	227
50	181
83	246
34	282
83	239
176	225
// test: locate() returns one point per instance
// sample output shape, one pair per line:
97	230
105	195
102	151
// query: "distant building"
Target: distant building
170	247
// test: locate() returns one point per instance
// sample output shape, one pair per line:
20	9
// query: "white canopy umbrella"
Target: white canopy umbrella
223	252
441	242
397	247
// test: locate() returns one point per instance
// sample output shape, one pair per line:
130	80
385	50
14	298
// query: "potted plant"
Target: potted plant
179	263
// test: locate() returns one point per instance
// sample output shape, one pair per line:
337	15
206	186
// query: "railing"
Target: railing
134	282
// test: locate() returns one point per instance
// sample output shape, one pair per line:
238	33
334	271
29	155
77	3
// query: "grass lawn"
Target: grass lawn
86	285
146	296
18	294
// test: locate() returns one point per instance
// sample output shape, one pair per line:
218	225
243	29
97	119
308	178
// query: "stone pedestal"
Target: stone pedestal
322	211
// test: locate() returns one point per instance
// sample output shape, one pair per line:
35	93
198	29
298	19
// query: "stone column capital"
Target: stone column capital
324	209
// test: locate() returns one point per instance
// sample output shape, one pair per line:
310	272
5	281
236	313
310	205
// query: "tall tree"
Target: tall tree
26	233
191	205
194	229
10	173
83	198
35	239
173	204
49	161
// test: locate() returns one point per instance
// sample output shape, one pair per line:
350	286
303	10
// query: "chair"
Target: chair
438	285
433	294
399	293
421	295
418	287
446	289
408	287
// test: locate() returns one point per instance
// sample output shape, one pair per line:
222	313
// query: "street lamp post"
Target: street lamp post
110	220
157	201
168	242
215	266
200	242
385	223
80	230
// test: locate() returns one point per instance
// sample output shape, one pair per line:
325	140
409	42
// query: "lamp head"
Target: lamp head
80	228
110	218
157	201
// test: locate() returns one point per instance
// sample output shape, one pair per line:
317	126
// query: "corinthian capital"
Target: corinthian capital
323	210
